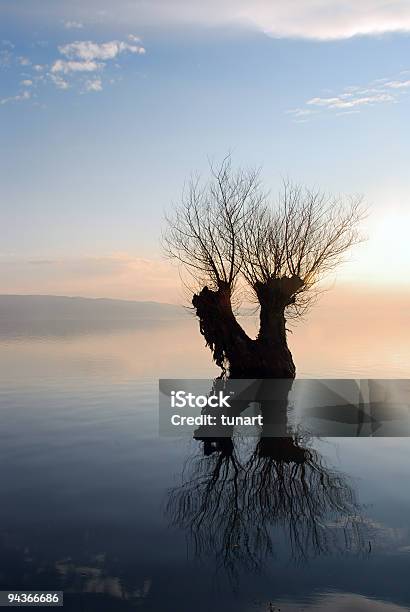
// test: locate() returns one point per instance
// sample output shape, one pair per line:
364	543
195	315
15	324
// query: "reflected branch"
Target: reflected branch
241	497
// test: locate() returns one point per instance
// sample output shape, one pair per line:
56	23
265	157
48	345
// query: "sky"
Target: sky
106	108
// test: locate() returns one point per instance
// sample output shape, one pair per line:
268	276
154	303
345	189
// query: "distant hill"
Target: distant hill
56	308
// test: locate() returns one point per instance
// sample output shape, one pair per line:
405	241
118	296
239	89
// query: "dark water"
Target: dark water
93	502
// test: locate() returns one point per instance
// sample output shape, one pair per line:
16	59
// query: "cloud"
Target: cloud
348	101
78	62
313	19
59	82
397	84
73	25
354	98
25	95
325	19
134	38
87	56
90	51
300	112
66	67
93	85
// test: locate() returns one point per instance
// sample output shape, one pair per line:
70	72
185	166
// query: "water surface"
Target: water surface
95	503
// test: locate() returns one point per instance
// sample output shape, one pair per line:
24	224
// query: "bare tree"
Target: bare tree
237	502
227	235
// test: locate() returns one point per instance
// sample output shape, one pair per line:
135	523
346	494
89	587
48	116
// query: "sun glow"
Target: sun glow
384	258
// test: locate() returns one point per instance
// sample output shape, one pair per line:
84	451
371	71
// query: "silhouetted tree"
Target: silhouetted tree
240	497
228	237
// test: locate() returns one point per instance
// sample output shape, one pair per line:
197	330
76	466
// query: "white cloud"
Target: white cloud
93	85
75	66
25	95
87	56
348	112
397	84
343	102
73	25
300	112
134	38
327	19
312	19
89	51
59	82
354	98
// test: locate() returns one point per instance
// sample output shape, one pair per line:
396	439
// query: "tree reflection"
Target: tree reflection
245	500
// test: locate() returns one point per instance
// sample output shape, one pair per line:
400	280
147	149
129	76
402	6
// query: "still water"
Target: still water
95	503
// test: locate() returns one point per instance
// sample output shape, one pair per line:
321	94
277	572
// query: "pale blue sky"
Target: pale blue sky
103	114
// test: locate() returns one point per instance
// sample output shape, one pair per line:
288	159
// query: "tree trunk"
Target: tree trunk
273	296
268	356
231	347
